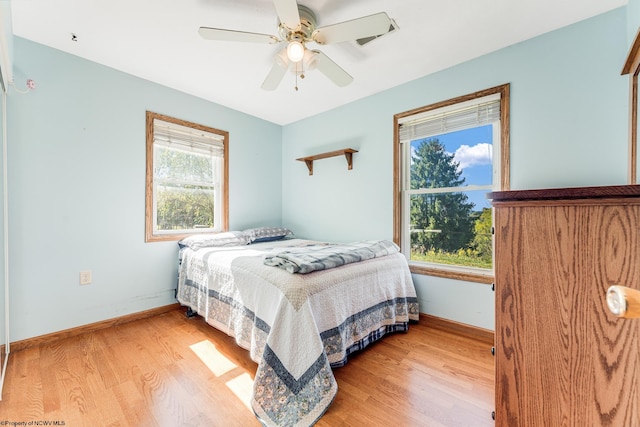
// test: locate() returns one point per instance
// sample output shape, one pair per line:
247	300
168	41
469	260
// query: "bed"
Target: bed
296	327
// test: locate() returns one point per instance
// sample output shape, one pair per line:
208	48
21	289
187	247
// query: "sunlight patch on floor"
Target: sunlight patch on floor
212	358
242	387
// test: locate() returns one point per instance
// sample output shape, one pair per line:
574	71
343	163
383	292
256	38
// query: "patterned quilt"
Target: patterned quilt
321	257
296	326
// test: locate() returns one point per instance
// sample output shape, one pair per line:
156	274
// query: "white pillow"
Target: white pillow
229	238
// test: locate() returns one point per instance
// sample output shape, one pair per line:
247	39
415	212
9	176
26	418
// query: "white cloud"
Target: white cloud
479	154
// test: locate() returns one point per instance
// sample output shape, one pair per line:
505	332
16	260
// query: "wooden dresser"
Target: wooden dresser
562	359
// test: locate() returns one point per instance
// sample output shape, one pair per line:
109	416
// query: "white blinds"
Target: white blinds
426	125
171	135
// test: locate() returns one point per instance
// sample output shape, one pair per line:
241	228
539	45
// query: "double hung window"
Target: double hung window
448	157
187	174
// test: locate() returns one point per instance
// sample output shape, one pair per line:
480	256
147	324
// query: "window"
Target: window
187	179
632	68
447	157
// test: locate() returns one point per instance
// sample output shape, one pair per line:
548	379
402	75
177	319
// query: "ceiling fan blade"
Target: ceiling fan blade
372	25
288	14
236	36
333	71
276	74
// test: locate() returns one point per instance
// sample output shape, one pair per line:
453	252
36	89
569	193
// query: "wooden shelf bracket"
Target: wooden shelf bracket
348	154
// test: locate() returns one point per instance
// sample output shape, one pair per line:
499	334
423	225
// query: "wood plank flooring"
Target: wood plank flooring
169	370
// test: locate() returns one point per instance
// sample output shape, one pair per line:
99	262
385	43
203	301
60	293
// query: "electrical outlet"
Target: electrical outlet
85	277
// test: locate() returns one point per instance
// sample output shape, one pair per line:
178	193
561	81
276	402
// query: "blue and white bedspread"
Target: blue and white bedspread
322	257
296	326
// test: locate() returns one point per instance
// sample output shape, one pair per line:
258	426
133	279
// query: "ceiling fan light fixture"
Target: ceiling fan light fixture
282	59
309	59
295	51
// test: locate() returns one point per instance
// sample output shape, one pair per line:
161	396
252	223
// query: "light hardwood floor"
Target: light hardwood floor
169	370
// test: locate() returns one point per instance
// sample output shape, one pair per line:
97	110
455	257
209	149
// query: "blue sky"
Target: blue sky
473	149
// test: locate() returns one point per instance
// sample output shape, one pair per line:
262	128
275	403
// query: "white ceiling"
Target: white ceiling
158	40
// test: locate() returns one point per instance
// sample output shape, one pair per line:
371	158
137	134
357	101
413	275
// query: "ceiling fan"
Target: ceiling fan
297	27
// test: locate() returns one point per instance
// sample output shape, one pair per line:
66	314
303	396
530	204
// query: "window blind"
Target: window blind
432	124
171	135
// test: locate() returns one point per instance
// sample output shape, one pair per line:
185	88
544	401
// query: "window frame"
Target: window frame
632	68
150	235
442	270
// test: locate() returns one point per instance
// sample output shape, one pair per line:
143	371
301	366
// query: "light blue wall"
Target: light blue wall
77	189
633	19
568	128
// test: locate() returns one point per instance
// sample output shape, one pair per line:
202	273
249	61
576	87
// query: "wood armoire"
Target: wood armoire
562	359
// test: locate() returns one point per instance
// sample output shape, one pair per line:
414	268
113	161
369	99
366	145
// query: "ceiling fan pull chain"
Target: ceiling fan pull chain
301	72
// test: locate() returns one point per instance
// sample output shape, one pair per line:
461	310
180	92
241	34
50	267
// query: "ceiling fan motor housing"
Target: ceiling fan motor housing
308	23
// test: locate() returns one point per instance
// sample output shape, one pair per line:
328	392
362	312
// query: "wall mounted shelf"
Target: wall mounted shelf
348	154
